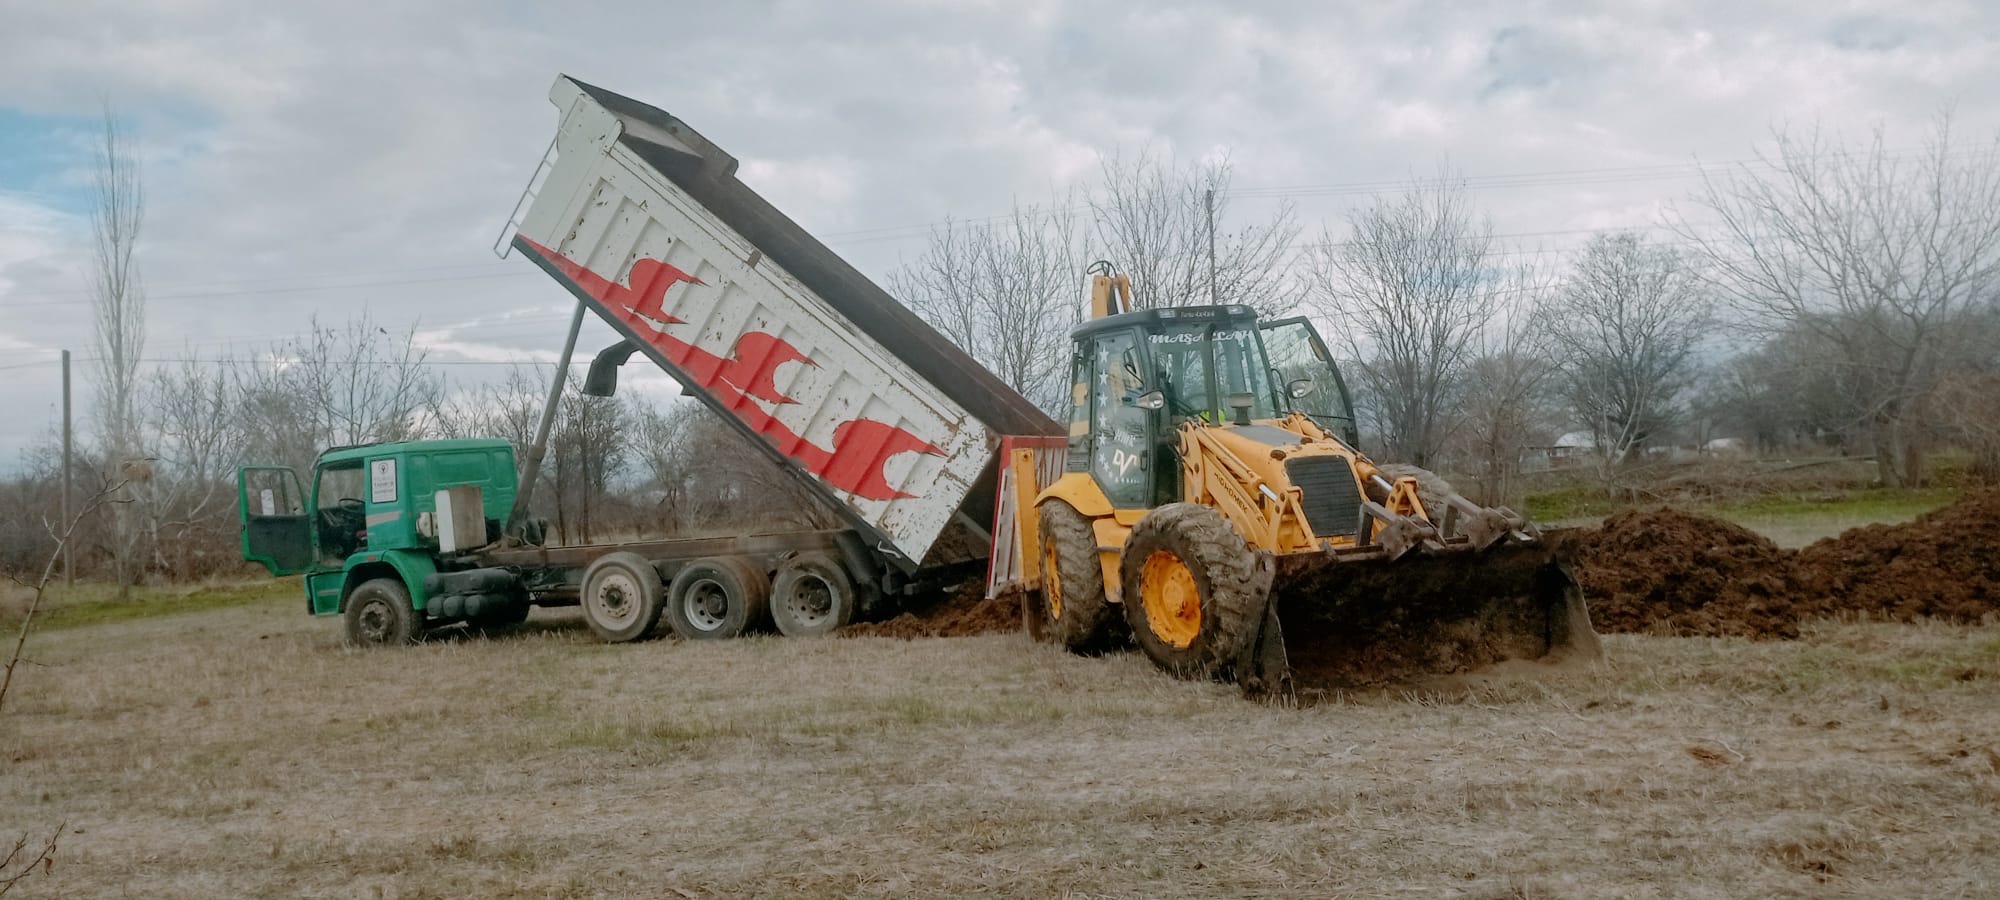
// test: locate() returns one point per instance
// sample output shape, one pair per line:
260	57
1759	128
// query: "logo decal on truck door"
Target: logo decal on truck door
861	447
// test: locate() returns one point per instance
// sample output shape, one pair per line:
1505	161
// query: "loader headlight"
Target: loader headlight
1299	388
1151	400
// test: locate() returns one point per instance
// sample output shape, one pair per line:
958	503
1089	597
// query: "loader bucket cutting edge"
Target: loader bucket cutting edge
1335	622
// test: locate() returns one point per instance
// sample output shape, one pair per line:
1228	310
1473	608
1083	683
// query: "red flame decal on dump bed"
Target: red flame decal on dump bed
861	447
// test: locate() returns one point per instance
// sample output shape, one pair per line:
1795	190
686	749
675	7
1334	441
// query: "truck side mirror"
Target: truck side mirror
602	380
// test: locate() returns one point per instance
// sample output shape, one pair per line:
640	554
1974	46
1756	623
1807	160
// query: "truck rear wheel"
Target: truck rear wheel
379	613
621	597
1190	584
812	596
1074	610
717	598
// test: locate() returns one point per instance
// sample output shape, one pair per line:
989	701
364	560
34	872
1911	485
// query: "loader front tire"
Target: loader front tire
1191	590
1074	610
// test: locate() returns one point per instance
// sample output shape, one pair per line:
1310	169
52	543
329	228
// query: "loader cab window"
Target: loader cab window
1298	355
1202	363
340	517
1120	429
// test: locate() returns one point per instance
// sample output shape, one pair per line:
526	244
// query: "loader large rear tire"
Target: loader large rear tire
1074	610
1431	487
1192	590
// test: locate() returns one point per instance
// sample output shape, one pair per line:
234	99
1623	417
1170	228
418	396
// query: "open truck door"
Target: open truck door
276	531
1298	355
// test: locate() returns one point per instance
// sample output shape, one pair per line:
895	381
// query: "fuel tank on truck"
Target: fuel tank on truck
643	220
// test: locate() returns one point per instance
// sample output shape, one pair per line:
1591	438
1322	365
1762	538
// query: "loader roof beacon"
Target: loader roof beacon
1206	484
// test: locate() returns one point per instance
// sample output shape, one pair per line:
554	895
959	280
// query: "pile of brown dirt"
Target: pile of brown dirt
1946	565
1672	572
966	613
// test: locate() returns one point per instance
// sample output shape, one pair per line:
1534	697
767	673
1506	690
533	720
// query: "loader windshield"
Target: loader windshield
1201	364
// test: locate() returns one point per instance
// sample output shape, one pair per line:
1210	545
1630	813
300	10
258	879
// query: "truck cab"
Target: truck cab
373	513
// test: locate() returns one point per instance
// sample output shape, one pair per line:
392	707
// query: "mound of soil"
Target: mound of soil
1946	565
966	613
1669	572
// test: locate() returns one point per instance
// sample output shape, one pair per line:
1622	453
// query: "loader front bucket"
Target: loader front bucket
1353	620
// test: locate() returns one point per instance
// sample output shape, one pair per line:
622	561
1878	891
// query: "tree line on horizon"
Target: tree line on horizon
1830	298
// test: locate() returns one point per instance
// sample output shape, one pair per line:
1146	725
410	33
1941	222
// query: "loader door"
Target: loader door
1297	353
1121	431
276	531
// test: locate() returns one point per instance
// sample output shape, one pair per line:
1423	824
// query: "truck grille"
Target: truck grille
1332	502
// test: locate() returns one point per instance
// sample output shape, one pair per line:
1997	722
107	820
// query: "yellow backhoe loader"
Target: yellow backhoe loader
1212	492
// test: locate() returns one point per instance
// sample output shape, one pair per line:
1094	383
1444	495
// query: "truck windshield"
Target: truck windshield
1202	363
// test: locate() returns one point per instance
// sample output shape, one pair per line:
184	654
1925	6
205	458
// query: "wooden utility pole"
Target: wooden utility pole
69	576
1208	200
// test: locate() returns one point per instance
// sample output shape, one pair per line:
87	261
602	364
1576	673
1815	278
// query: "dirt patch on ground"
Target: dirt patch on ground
964	613
1671	572
1945	565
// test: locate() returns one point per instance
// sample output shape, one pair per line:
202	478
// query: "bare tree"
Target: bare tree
587	447
1624	328
1880	257
1152	218
663	447
1005	291
195	438
1501	405
355	384
118	304
1412	290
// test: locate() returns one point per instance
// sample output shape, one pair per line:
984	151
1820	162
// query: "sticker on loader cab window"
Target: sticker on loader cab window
382	481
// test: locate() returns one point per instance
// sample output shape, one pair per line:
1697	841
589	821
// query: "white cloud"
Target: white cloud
291	143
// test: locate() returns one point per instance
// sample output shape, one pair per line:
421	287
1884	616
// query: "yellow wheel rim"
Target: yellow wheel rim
1051	580
1173	603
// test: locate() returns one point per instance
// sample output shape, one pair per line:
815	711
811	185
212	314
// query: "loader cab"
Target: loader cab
1137	375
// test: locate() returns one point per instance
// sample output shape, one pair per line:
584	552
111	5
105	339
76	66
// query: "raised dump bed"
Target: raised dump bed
643	220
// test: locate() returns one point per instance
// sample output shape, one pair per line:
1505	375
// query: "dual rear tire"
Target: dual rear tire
623	597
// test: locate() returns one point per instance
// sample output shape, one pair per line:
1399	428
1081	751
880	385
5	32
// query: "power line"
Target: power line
1542	178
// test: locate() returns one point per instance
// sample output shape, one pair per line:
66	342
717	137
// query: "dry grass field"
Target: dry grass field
243	752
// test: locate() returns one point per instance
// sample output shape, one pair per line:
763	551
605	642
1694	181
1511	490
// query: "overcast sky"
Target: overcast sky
307	158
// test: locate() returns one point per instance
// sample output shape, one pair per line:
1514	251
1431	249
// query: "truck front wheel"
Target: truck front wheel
379	613
621	597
